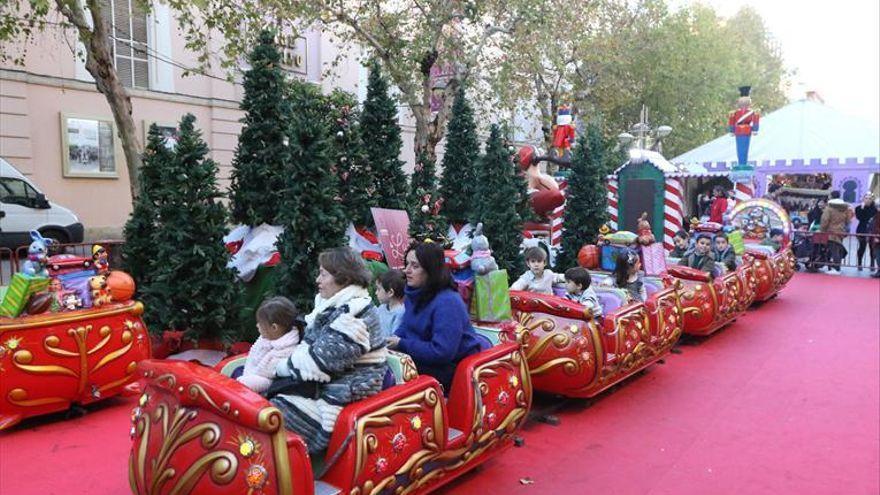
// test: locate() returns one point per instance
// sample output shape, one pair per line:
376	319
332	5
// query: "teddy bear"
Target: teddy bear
100	293
482	261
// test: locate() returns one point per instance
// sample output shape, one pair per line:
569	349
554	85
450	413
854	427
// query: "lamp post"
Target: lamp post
644	137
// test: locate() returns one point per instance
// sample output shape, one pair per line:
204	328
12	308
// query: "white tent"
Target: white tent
802	137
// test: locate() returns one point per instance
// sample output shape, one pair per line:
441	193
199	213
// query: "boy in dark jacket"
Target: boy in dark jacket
723	252
681	241
701	257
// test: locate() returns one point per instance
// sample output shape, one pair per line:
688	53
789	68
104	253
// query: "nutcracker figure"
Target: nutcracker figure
563	132
743	123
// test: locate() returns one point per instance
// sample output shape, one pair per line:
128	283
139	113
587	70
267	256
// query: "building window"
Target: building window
129	22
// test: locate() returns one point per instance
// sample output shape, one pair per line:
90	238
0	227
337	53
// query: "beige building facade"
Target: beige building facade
58	130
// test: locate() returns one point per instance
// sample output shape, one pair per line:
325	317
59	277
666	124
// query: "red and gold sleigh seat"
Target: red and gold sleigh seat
48	362
196	431
769	275
571	354
711	303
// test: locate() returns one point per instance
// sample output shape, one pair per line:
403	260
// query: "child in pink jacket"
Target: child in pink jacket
279	336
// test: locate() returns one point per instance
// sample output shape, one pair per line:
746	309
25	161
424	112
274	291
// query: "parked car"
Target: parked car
23	207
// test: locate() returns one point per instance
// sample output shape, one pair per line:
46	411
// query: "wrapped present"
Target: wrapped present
20	289
608	260
736	241
491	301
464	281
654	259
78	283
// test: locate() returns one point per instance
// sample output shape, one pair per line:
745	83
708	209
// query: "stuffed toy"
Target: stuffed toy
643	230
37	261
100	293
482	261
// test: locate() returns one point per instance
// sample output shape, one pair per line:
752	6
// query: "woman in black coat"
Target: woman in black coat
865	214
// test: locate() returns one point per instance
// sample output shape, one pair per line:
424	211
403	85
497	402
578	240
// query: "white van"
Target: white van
24	208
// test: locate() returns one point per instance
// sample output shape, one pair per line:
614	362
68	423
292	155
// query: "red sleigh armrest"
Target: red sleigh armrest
688	273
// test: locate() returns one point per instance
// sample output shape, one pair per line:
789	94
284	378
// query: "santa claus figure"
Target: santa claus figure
743	123
563	132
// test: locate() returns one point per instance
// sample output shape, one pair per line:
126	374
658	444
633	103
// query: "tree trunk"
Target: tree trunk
100	64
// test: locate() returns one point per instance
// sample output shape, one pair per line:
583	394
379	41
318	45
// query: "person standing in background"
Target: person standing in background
865	213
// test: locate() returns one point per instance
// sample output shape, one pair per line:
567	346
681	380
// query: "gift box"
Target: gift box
654	259
609	256
78	283
491	300
736	241
20	289
464	281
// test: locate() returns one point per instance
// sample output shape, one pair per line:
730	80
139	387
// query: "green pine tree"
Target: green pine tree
138	252
355	173
586	207
191	288
499	199
257	180
382	142
426	218
310	210
459	179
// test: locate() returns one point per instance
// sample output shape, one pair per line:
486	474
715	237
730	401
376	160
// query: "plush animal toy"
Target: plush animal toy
70	301
482	261
646	237
38	258
100	293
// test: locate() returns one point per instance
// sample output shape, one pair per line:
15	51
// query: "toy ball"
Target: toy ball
39	303
120	285
588	256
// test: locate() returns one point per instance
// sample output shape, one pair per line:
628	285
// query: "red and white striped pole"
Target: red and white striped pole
673	211
612	203
557	219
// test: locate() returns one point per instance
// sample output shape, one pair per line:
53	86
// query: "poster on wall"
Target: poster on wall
90	149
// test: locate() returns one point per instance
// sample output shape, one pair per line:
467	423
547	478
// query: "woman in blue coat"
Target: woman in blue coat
436	331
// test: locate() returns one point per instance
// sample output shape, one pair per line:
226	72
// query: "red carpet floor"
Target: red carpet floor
785	401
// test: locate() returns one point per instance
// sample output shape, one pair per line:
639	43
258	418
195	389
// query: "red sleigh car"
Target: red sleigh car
51	361
197	431
571	354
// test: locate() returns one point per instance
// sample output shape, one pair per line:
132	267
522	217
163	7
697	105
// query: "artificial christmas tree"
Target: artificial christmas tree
586	202
310	211
496	203
257	180
426	219
349	159
382	142
138	252
458	183
190	288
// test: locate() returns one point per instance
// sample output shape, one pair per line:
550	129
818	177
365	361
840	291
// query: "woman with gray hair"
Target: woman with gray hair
341	358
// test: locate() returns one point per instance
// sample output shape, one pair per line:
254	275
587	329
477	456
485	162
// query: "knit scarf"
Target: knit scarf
344	296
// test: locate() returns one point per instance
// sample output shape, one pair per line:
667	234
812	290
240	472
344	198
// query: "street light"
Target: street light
645	137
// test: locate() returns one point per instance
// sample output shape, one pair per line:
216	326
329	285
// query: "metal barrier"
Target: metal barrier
83	249
816	250
8	265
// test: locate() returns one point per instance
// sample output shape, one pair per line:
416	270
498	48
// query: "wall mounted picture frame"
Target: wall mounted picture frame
89	147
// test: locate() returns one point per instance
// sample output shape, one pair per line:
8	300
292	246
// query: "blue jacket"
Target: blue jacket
438	334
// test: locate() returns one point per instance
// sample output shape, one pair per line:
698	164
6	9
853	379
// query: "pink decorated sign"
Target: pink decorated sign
393	229
654	259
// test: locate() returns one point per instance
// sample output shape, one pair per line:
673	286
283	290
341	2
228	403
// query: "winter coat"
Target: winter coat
343	353
717	210
437	334
864	214
726	258
835	219
259	368
705	262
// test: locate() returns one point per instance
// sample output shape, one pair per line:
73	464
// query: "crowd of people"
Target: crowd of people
830	222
